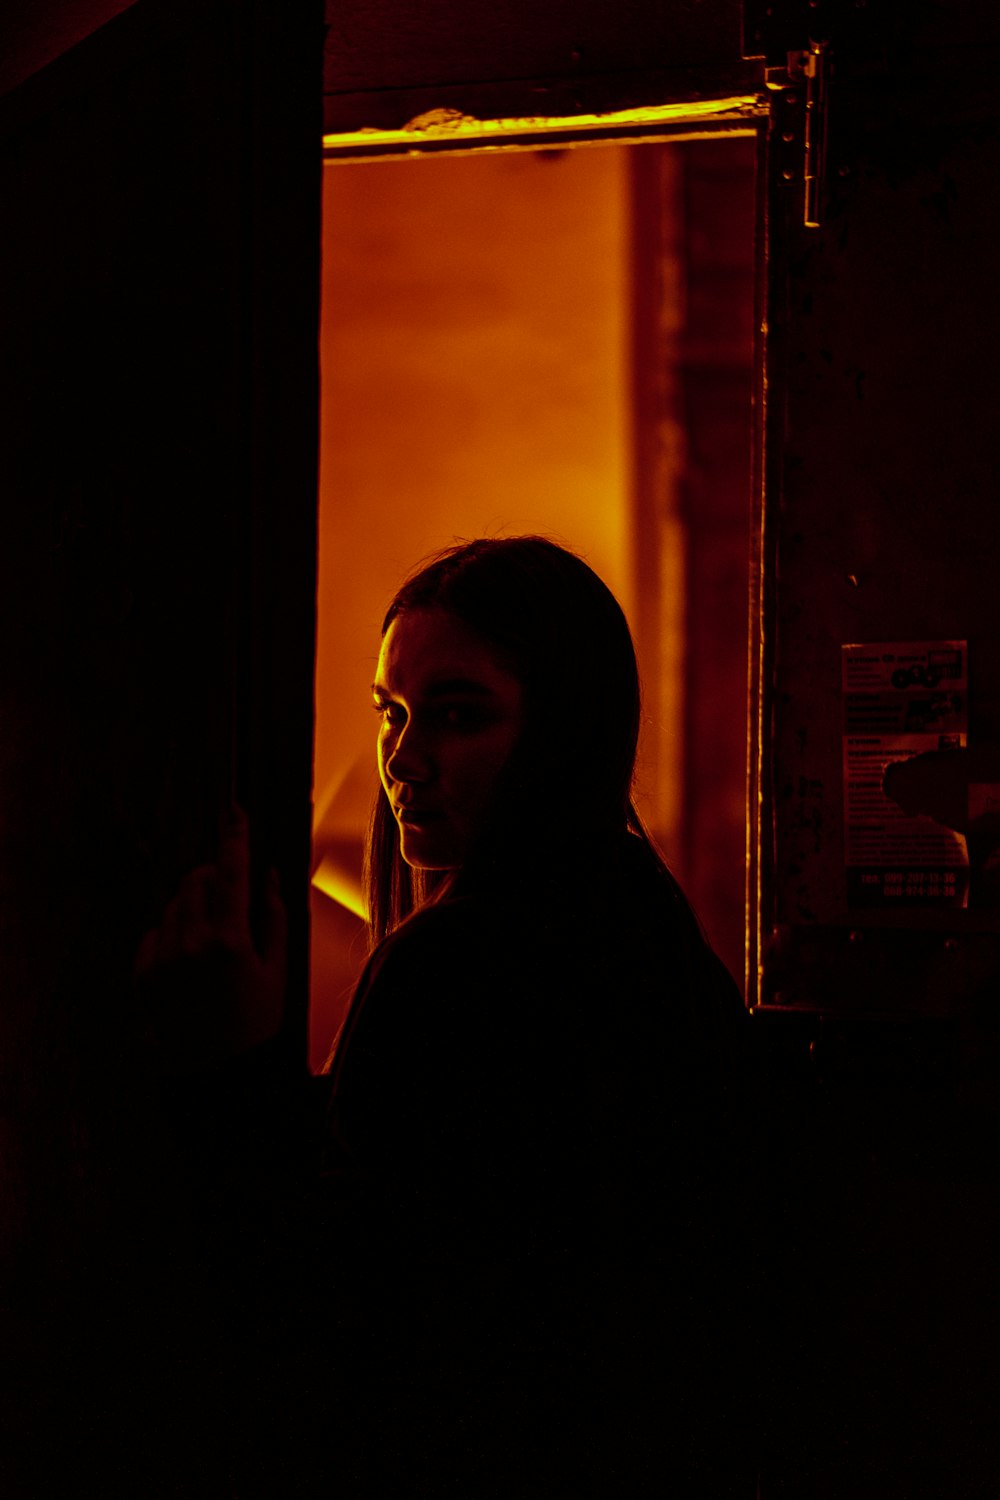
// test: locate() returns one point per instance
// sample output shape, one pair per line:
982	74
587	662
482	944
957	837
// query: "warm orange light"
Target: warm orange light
480	375
465	131
341	885
475	351
475	354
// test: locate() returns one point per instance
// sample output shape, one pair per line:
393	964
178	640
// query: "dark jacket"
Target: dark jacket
510	1257
532	1204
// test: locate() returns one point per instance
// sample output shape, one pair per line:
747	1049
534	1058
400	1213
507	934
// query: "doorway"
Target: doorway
556	341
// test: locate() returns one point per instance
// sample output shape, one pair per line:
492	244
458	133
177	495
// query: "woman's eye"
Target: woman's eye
461	716
389	713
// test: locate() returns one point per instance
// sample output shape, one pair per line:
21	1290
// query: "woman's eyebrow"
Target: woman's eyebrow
469	687
446	687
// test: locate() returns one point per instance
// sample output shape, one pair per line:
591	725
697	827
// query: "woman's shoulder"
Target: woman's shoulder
433	932
433	963
434	990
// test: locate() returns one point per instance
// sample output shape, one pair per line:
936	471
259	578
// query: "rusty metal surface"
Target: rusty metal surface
882	517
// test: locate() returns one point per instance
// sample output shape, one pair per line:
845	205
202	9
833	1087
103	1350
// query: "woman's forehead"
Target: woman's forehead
428	650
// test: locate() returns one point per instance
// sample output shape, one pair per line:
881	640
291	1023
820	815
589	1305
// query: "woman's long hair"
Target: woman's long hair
569	780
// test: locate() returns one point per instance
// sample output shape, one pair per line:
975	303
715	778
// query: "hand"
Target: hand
210	991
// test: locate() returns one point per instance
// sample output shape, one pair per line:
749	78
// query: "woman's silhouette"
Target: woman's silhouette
525	1237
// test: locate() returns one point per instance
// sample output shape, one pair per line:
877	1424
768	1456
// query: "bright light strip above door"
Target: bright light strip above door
440	129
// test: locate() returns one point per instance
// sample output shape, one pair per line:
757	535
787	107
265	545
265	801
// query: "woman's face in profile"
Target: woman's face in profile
451	713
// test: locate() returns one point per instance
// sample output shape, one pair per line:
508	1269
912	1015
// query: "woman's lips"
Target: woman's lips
417	815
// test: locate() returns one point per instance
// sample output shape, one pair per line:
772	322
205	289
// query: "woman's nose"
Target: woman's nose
409	760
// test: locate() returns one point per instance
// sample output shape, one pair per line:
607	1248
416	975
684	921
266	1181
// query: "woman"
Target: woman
527	1228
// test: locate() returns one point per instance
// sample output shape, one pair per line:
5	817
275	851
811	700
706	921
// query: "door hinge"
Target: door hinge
816	67
792	39
799	115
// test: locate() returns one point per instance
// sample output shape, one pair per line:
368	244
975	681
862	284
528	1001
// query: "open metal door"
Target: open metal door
874	921
879	515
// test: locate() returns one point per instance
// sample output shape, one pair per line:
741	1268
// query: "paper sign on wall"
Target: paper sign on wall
901	699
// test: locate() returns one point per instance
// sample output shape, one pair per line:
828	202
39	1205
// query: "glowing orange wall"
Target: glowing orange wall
475	381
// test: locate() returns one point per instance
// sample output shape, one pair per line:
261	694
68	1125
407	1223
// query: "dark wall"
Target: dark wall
158	395
387	64
31	36
376	44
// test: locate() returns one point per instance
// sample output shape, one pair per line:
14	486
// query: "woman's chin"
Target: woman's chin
428	848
